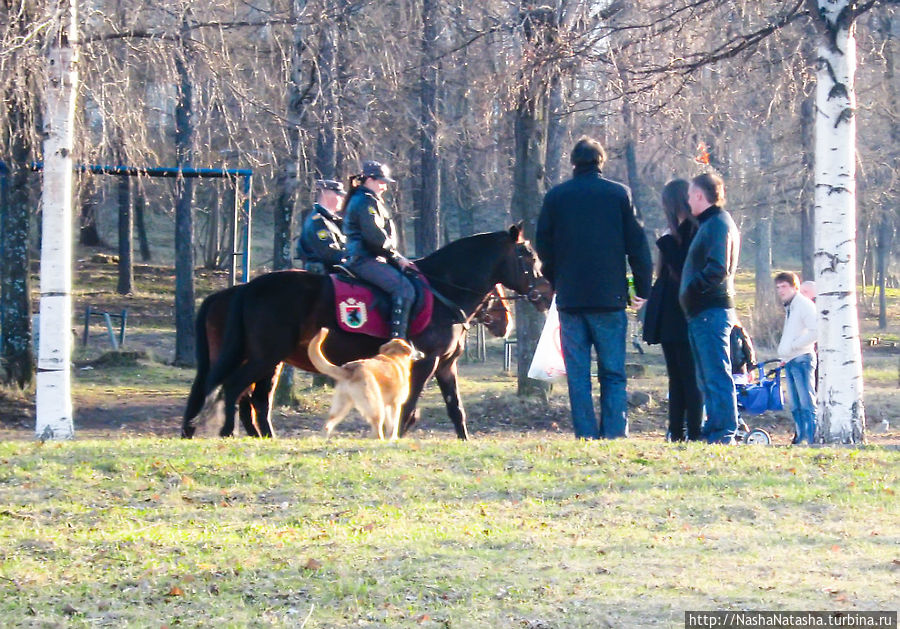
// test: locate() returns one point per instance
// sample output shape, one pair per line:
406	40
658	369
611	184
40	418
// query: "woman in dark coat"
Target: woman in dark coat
372	243
664	320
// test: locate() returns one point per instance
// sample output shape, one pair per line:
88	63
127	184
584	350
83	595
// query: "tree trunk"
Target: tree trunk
140	204
530	128
184	223
638	192
882	258
428	227
289	182
889	213
54	395
290	173
89	235
841	412
211	251
15	228
528	175
807	209
326	136
764	298
126	237
556	132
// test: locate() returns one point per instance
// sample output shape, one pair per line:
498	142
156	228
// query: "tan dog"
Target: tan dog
376	386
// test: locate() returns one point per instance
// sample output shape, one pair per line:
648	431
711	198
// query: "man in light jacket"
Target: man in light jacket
797	351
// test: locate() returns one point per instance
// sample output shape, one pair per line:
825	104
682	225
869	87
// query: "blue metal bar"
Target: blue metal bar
245	263
232	173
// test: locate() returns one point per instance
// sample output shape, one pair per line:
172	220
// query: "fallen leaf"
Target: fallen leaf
835	549
175	591
423	618
312	564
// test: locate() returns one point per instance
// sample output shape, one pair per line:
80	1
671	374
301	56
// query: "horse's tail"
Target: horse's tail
232	353
197	396
318	358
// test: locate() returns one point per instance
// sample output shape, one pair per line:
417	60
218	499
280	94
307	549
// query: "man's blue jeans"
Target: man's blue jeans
709	333
799	373
605	331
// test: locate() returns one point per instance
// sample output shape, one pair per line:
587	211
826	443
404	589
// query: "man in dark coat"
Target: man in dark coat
322	244
707	294
586	230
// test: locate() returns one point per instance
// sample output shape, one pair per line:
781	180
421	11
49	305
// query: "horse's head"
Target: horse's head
494	313
522	272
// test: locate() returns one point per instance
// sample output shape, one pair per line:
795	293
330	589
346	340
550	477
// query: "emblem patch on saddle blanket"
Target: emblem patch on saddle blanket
353	313
361	309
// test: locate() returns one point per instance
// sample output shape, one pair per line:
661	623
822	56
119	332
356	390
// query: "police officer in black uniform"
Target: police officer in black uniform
372	243
322	244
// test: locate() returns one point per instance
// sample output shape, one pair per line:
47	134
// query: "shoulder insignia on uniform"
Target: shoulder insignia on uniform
322	234
373	210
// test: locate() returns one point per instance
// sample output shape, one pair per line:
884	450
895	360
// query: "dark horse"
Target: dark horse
271	320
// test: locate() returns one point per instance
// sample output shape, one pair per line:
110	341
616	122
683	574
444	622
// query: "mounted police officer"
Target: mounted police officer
372	243
322	244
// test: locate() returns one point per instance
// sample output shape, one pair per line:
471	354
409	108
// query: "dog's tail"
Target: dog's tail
318	358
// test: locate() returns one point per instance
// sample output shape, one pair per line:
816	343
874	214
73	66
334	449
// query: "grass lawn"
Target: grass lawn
504	531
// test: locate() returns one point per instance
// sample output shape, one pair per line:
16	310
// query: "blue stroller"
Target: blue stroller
758	397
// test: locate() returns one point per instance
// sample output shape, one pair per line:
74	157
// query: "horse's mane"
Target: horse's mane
465	250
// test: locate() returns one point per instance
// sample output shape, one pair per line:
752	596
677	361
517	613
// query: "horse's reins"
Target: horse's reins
533	295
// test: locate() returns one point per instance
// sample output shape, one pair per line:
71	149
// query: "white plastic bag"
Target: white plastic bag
547	363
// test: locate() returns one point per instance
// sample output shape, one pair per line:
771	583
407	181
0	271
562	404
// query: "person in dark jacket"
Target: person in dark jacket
706	294
372	243
322	243
586	230
664	320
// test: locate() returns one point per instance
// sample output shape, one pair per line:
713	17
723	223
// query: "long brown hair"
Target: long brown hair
675	205
354	183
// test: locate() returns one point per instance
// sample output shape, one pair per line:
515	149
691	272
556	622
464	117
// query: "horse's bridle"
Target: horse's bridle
532	293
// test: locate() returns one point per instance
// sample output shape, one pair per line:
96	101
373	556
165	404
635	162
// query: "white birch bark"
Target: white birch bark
840	399
54	401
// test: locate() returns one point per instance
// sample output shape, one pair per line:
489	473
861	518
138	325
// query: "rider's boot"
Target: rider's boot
400	311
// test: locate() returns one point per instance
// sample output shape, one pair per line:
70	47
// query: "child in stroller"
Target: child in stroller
755	394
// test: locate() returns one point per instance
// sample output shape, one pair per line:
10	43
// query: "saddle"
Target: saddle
362	308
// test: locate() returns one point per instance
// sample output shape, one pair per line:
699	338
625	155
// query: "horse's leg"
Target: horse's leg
447	377
263	394
194	406
247	415
237	386
421	373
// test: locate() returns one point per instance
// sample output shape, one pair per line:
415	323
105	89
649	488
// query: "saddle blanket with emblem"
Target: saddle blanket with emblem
362	308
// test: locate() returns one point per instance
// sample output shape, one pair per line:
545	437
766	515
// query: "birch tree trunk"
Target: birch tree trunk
54	399
841	412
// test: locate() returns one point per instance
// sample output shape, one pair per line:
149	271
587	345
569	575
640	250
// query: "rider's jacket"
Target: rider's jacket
322	240
369	228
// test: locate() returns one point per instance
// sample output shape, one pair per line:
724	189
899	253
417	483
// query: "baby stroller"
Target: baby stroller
758	397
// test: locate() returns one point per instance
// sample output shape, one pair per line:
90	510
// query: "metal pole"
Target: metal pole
235	217
247	230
